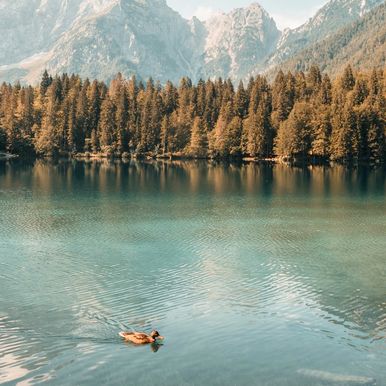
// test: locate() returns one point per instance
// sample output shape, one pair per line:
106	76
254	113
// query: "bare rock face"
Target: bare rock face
29	27
238	42
145	37
99	38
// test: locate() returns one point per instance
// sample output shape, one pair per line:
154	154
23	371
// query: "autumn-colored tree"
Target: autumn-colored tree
199	142
303	114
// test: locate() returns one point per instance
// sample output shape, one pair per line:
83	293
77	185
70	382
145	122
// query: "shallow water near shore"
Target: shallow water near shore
265	275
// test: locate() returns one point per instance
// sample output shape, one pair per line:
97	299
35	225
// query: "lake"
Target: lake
256	275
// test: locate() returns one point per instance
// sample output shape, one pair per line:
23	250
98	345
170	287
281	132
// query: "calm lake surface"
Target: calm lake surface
256	275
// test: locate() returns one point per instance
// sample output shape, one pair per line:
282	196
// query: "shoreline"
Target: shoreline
274	160
126	157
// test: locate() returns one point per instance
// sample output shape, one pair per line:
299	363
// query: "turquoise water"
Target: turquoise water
256	275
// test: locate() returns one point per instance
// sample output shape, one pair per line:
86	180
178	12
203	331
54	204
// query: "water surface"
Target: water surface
263	275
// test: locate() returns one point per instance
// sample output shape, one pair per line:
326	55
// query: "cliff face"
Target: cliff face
98	38
239	42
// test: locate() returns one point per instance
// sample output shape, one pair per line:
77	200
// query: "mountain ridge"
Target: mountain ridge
328	20
362	44
146	38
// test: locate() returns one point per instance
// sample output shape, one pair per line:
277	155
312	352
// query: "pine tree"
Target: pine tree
344	140
360	92
301	91
217	142
314	80
211	112
134	114
184	116
321	132
199	142
94	106
146	128
233	137
47	139
348	80
107	127
283	98
45	83
82	125
169	98
122	120
325	92
241	102
294	135
165	134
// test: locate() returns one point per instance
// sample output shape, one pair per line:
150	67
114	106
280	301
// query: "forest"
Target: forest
307	116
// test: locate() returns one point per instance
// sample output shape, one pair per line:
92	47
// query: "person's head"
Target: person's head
155	335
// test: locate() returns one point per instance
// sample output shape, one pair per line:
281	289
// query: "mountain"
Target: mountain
99	38
238	42
362	44
335	15
134	37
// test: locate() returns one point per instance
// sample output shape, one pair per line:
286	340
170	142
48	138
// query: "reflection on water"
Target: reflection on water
255	274
182	177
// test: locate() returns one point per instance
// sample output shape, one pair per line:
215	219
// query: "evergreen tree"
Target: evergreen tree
233	137
217	141
47	139
321	134
107	127
45	83
258	132
199	142
304	114
348	80
294	136
241	102
344	139
122	120
360	92
325	92
314	80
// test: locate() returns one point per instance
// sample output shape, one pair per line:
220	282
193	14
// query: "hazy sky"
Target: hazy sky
287	13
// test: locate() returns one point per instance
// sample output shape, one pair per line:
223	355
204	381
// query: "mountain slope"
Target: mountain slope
98	38
238	42
335	15
29	27
362	44
133	37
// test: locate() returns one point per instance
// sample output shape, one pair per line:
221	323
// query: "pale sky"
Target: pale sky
287	13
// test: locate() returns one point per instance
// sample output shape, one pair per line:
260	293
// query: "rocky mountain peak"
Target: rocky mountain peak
238	41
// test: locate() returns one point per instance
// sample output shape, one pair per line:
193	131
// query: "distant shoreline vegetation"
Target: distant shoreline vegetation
298	117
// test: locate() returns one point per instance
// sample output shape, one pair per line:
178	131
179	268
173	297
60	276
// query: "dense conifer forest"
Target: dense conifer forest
302	115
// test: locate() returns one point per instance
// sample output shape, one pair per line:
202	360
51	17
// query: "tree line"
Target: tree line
300	115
